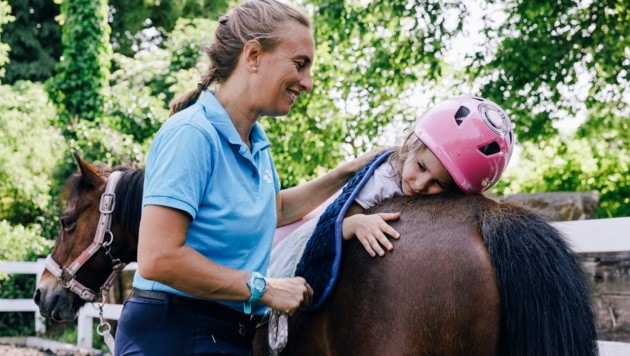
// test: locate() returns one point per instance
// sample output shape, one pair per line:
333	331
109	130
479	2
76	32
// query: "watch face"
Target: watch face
259	284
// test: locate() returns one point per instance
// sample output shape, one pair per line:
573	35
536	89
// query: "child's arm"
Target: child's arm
371	230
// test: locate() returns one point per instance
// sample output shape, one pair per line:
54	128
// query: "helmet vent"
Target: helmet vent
461	113
490	149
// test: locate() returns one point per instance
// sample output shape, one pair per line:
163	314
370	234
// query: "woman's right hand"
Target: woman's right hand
287	295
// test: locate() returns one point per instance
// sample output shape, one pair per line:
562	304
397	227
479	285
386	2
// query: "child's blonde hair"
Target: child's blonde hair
410	147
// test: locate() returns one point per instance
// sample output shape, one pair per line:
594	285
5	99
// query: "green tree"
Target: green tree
35	40
369	55
555	60
29	152
83	73
137	24
5	18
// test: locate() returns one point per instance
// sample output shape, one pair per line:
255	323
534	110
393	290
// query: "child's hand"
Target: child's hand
371	231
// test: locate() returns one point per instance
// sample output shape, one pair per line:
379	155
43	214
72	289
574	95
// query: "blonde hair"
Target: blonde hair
259	20
410	147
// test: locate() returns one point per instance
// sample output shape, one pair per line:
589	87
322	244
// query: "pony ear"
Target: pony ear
89	174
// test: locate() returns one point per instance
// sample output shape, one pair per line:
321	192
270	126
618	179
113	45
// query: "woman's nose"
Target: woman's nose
307	82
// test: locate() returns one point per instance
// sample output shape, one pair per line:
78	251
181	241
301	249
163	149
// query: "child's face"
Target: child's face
424	174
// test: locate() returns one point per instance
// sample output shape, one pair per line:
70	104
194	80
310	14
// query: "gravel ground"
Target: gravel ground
32	346
31	351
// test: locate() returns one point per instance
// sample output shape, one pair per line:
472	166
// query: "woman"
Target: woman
212	197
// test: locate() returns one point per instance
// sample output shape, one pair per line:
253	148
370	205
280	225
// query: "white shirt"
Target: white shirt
383	184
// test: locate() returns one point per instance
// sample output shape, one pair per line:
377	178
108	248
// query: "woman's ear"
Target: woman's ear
252	52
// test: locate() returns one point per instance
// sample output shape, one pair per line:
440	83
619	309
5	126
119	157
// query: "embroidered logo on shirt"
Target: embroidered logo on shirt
267	176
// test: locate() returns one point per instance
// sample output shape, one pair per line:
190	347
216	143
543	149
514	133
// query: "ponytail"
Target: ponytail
187	99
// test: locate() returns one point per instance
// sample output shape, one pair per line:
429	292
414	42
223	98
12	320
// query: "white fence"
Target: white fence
598	235
24	305
87	313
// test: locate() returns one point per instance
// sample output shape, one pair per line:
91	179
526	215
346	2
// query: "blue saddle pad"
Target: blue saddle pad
320	261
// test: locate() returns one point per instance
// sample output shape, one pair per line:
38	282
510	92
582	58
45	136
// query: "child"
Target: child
463	143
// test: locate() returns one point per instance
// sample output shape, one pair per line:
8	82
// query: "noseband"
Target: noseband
102	239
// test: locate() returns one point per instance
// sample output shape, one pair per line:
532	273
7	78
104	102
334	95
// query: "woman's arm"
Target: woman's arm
293	203
164	257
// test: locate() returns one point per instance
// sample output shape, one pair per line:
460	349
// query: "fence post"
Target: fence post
84	328
40	325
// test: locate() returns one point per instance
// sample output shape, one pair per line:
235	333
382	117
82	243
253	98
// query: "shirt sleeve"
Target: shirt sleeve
383	185
178	167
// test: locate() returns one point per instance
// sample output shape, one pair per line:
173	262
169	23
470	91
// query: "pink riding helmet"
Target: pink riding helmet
472	137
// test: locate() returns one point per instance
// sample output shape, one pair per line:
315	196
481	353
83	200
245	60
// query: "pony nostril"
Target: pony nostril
37	296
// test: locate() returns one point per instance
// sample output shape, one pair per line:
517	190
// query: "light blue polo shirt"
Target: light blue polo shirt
198	163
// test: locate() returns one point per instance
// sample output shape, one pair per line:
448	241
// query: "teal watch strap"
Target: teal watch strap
257	286
247	307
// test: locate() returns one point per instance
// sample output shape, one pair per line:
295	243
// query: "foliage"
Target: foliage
35	40
555	58
29	146
5	18
140	24
553	61
29	152
169	70
576	164
21	243
82	76
368	57
141	87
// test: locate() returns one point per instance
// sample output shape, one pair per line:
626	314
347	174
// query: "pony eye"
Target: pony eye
67	223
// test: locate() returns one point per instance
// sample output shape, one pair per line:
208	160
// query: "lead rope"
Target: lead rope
278	332
103	328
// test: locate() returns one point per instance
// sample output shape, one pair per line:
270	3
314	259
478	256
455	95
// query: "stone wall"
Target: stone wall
560	206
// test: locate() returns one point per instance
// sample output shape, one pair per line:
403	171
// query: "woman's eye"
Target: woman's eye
421	167
300	65
67	223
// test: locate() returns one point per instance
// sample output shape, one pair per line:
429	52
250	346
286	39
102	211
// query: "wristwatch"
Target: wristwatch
257	286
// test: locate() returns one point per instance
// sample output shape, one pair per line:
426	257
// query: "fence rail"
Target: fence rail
85	322
24	305
584	236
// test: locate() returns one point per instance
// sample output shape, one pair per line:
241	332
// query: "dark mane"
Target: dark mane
129	198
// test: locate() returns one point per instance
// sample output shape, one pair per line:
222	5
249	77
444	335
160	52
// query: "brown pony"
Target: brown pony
469	276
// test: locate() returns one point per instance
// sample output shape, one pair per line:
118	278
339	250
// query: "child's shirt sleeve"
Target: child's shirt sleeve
383	184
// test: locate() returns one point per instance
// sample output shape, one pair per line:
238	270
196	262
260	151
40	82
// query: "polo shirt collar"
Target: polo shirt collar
224	126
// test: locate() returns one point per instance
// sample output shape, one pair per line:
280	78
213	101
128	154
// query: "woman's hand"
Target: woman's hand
287	295
356	164
371	231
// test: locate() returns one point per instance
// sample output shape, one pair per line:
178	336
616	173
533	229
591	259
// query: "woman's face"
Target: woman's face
285	72
424	174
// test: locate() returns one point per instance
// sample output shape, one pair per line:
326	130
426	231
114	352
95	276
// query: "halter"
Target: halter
67	276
